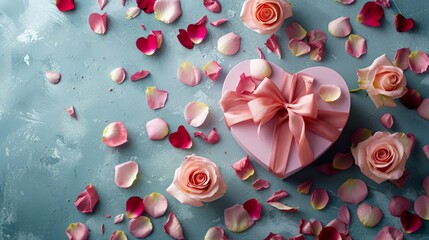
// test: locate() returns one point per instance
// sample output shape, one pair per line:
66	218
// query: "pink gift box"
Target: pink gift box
259	147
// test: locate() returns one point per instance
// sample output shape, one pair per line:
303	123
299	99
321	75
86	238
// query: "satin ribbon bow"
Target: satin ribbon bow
293	107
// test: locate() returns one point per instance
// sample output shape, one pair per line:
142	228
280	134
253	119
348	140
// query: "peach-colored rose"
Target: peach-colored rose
196	181
383	82
383	156
265	16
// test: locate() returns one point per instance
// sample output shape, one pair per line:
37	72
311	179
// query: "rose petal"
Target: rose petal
215	233
402	180
118	235
273	236
107	216
123	2
202	21
423	109
181	138
338	225
132	12
260	184
411	99
304	187
243	168
353	191
403	24
158	35
253	208
77	231
229	44
98	23
196	33
212	70
173	228
140	227
86	201
419	61
426	183
126	173
140	75
196	113
387	120
276	196
360	135
259	69
53	77
296	31
237	219
71	112
283	208
118	75
188	74
383	3
273	46
212	138
245	84
340	27
102	3
398	204
329	233
316	38
410	222
421	206
167	11
327	169
134	207
261	55
64	5
412	138
343	161
356	45
329	93
146	5
368	215
115	134
219	22
184	39
346	2
156	98
371	14
390	233
317	54
147	45
212	6
319	198
155	204
310	227
102	228
298	47
157	129
344	215
401	58
118	218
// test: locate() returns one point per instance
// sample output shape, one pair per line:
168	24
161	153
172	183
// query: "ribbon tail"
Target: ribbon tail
282	143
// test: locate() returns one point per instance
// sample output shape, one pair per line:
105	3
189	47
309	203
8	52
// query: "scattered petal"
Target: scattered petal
390	233
296	31
126	173
181	138
158	35
387	120
215	233
299	237
426	184
316	38
98	23
245	84
419	61
344	215
371	14
368	215
243	168
197	32
327	169
410	222
140	227
71	112
107	216
346	2
383	3
102	228
147	45
282	207
353	191
401	58
319	198
173	228
329	92
338	225
146	5
259	69
304	187
219	22
157	129
274	236
212	138
155	98
412	138
155	204
184	39
399	204
261	55
87	200
273	45
167	11
278	195
115	134
196	113
340	27
134	207
118	235
64	5
343	161
421	206
102	3
423	109
212	6
139	75
317	54
329	233
237	219
229	44
298	47
123	2
212	70
253	208
260	184
143	26
356	45
118	218
411	99
403	24
53	77
310	227
359	135
188	74
77	231
132	12
402	180
118	75
202	21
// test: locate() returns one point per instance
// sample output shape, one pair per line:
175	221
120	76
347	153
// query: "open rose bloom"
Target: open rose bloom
196	181
383	82
383	156
265	16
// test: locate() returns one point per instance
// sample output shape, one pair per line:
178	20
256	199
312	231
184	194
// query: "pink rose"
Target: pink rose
383	156
265	16
383	82
196	181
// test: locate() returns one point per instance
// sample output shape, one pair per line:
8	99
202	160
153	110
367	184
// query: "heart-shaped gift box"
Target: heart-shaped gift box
302	127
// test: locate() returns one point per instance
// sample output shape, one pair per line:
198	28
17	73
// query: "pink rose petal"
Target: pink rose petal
383	3
155	204
118	235
338	225
212	138
143	26
140	227
188	74
123	2
401	58
229	44
273	236
184	39
53	77
421	206
343	161
398	204
411	99
310	227
157	129
412	138
125	174
202	21
71	112
98	23
118	218
64	5
360	135
134	207
399	183
118	75
368	215
212	70
327	169
317	53
298	47
115	134
243	168
181	138
387	120
371	14
140	75
319	198
86	201
296	31
219	22
344	215
253	208
261	55
237	219
196	113
329	233
146	5
329	92
173	228
356	46
197	33
340	27
156	98
107	216
147	45
346	2
215	233
353	191
282	207
273	46
316	38
410	222
260	184
390	233
423	109
77	231
419	61
426	183
304	187
276	196
167	11
212	6
102	228
245	84
102	3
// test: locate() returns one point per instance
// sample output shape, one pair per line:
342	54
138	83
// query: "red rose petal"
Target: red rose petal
344	215
327	169
253	208
219	22
401	58
260	184
98	23
274	236
371	14
353	191
390	233
421	206
147	45
243	168
139	75
304	187
181	138
403	24
338	225
411	99
134	207
146	5
87	200
359	135
343	161
329	233
398	204
402	180
273	46
237	219
369	215
173	228
102	228
212	138
196	33
278	195
410	222
184	39
319	198
299	237
64	5
213	6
